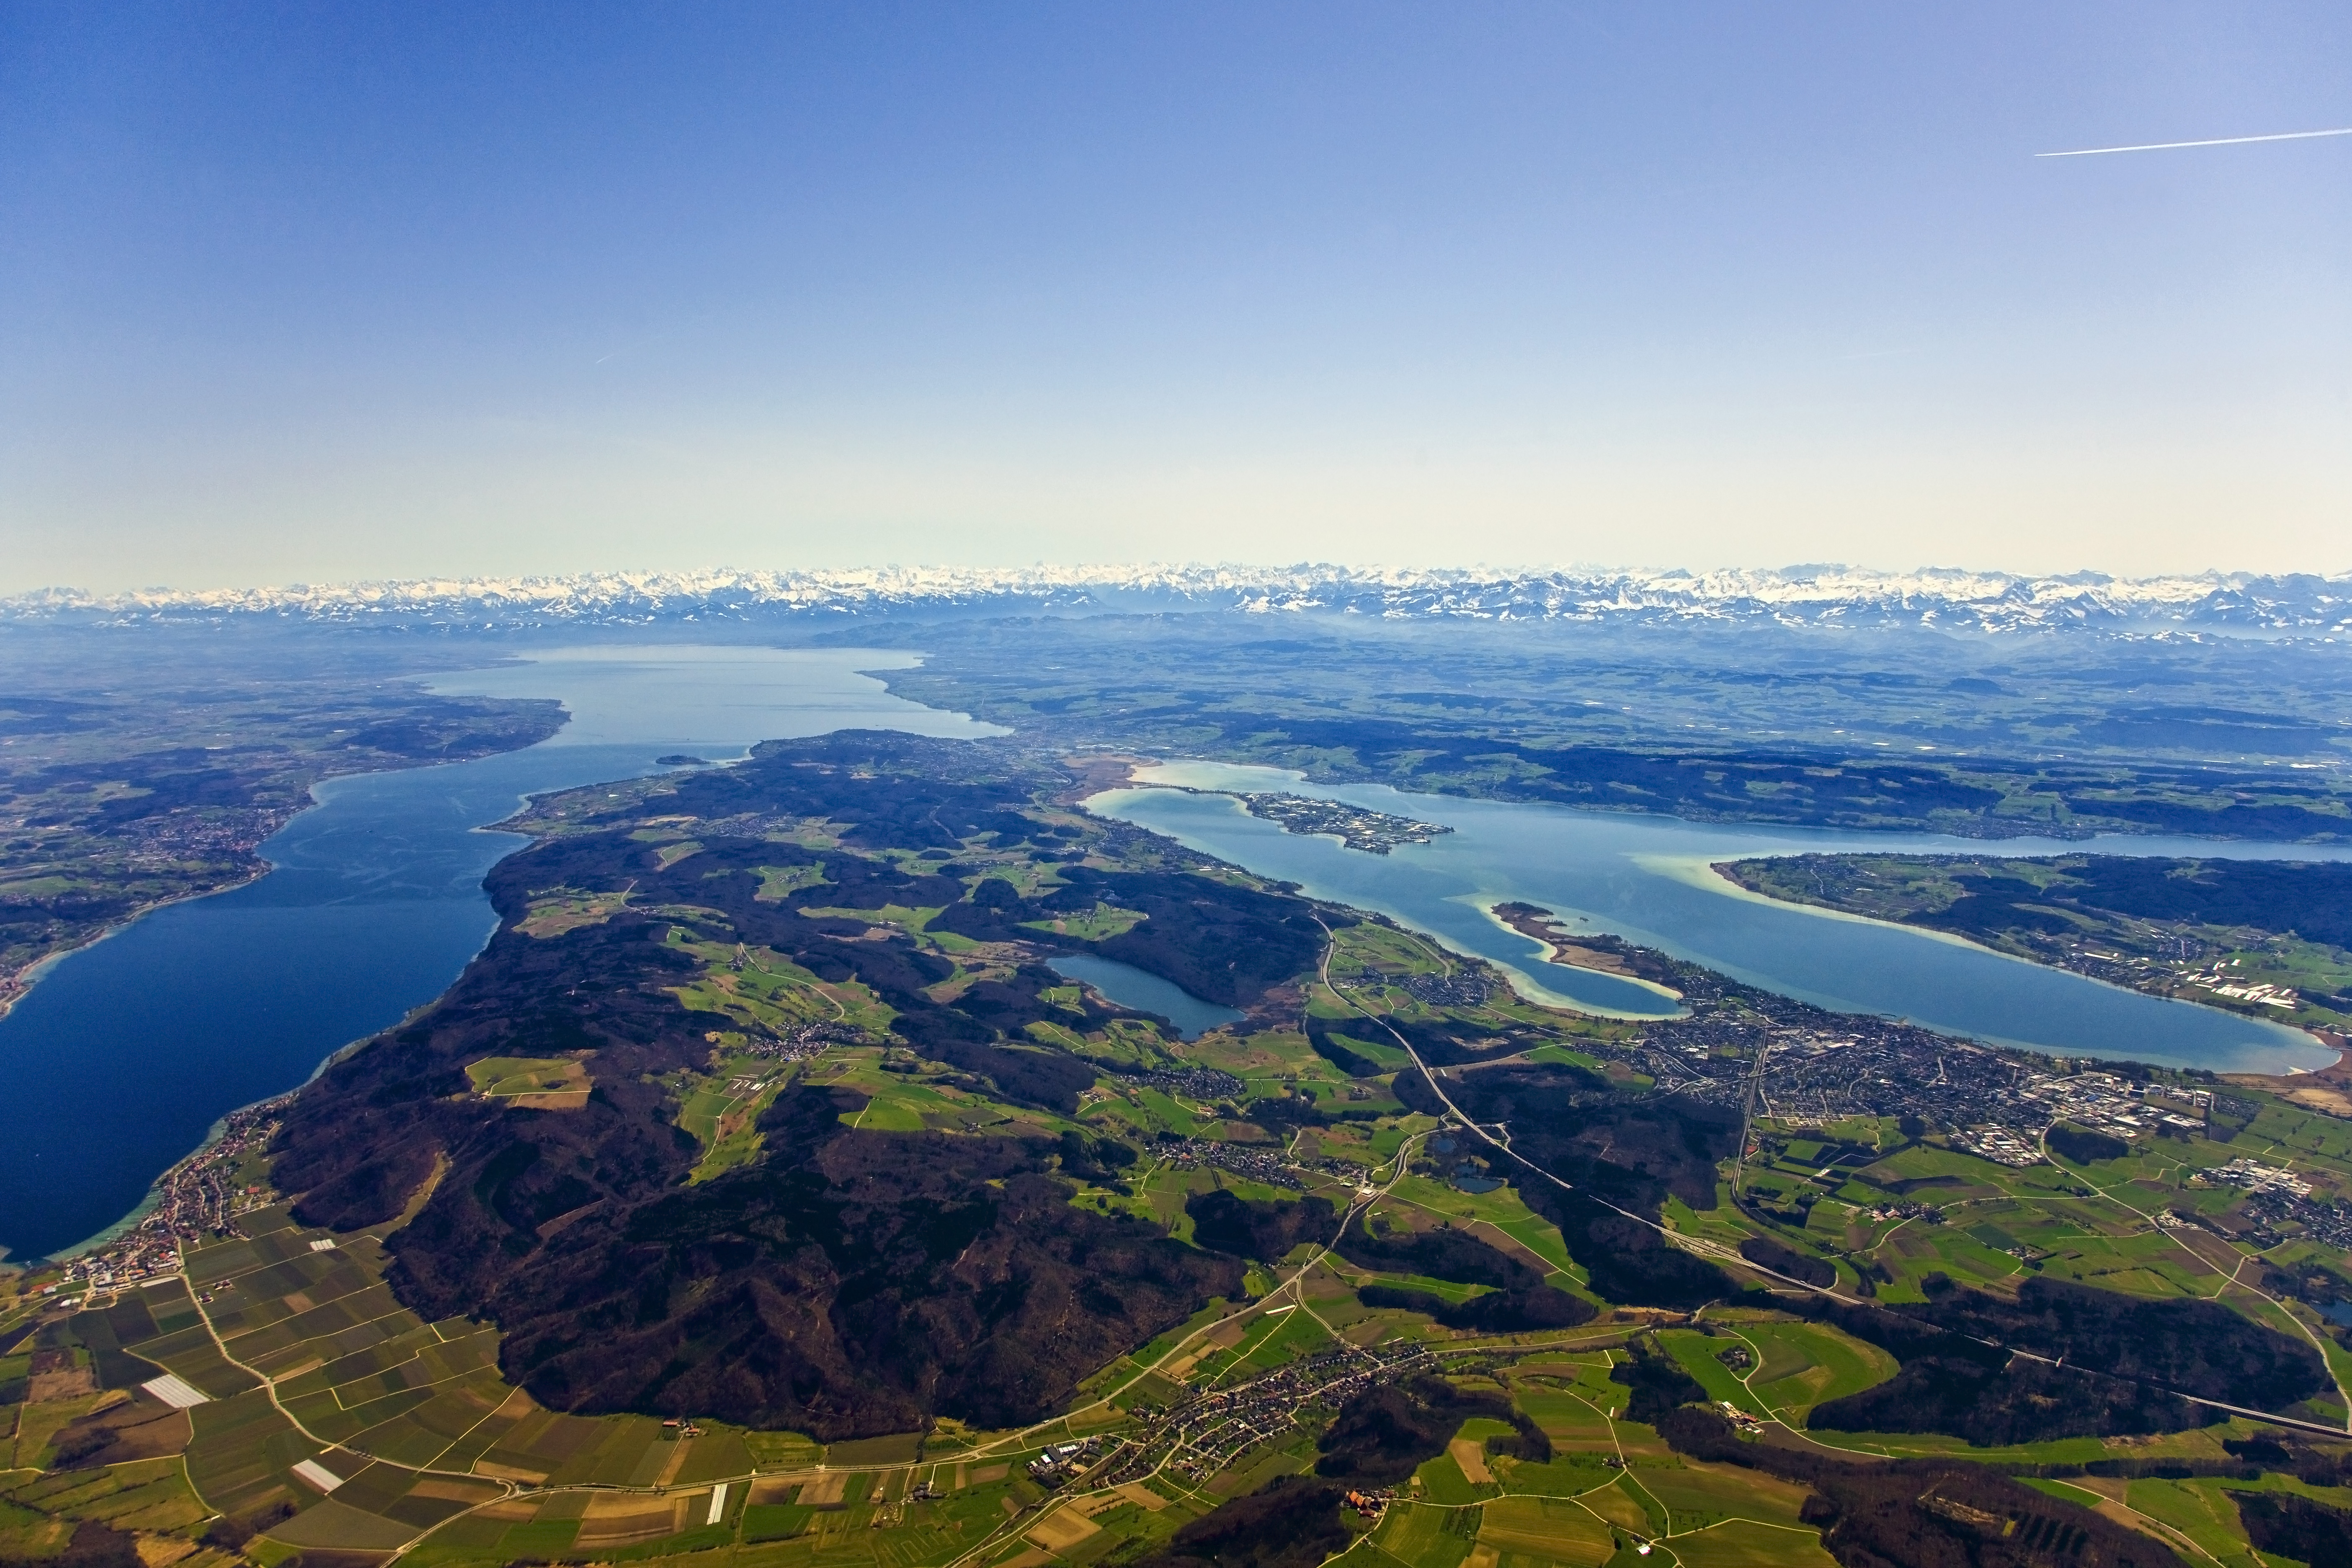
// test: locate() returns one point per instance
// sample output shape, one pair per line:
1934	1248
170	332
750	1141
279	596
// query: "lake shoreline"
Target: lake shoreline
15	987
371	907
2162	984
1600	953
1647	880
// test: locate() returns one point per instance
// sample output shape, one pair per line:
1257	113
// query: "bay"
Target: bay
1646	879
123	1055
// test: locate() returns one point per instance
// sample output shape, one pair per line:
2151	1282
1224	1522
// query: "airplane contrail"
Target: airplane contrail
2215	142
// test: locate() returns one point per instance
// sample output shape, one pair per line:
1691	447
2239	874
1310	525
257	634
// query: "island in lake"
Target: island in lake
1373	832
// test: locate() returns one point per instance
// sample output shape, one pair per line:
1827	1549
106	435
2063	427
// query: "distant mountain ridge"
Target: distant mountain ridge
2222	604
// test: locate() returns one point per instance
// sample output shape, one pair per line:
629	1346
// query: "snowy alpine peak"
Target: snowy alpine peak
2233	603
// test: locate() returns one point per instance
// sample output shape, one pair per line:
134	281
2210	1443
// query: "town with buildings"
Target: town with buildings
1373	832
1255	1161
2276	1204
196	1200
1207	1085
1204	1433
2194	966
1999	1144
1809	1069
1461	986
2256	1176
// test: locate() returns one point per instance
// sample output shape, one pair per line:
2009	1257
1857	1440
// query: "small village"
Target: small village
196	1200
1371	832
1204	1433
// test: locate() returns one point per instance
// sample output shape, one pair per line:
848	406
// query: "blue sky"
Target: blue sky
314	292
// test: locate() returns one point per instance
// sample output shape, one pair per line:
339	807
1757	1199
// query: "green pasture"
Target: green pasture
721	1112
2199	1510
1722	1223
771	992
903	917
1266	1062
1501	1208
1377	951
559	911
1160	1191
1560	1056
1696	1497
1163	1112
1099	923
1548	1529
1696	1353
1046	1032
1423	1536
1742	1543
1445	1289
1569	1416
2284	1127
777	883
1799	1365
1631	1503
501	1077
1297	1335
782	1451
144	1494
903	1103
1268	1339
1389	1135
36	1427
1372	1043
1951	1174
1441	1481
1564	1476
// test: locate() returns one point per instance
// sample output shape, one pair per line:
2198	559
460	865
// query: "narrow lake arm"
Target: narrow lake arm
2270	939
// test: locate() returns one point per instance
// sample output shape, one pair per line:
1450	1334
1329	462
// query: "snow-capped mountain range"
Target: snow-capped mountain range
2235	603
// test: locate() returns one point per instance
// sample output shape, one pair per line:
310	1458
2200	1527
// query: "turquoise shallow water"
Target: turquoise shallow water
124	1054
1646	879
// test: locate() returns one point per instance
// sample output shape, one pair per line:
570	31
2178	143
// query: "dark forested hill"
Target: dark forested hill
851	1281
1617	1154
2107	1365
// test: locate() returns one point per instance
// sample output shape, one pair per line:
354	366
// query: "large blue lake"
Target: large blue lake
1646	878
122	1056
125	1054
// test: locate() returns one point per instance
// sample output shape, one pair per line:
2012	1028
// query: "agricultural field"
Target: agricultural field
309	1370
1791	1366
560	910
321	1416
1090	925
537	1083
2147	1222
823	1061
764	994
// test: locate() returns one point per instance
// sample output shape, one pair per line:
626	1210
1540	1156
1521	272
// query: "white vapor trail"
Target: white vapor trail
2215	142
